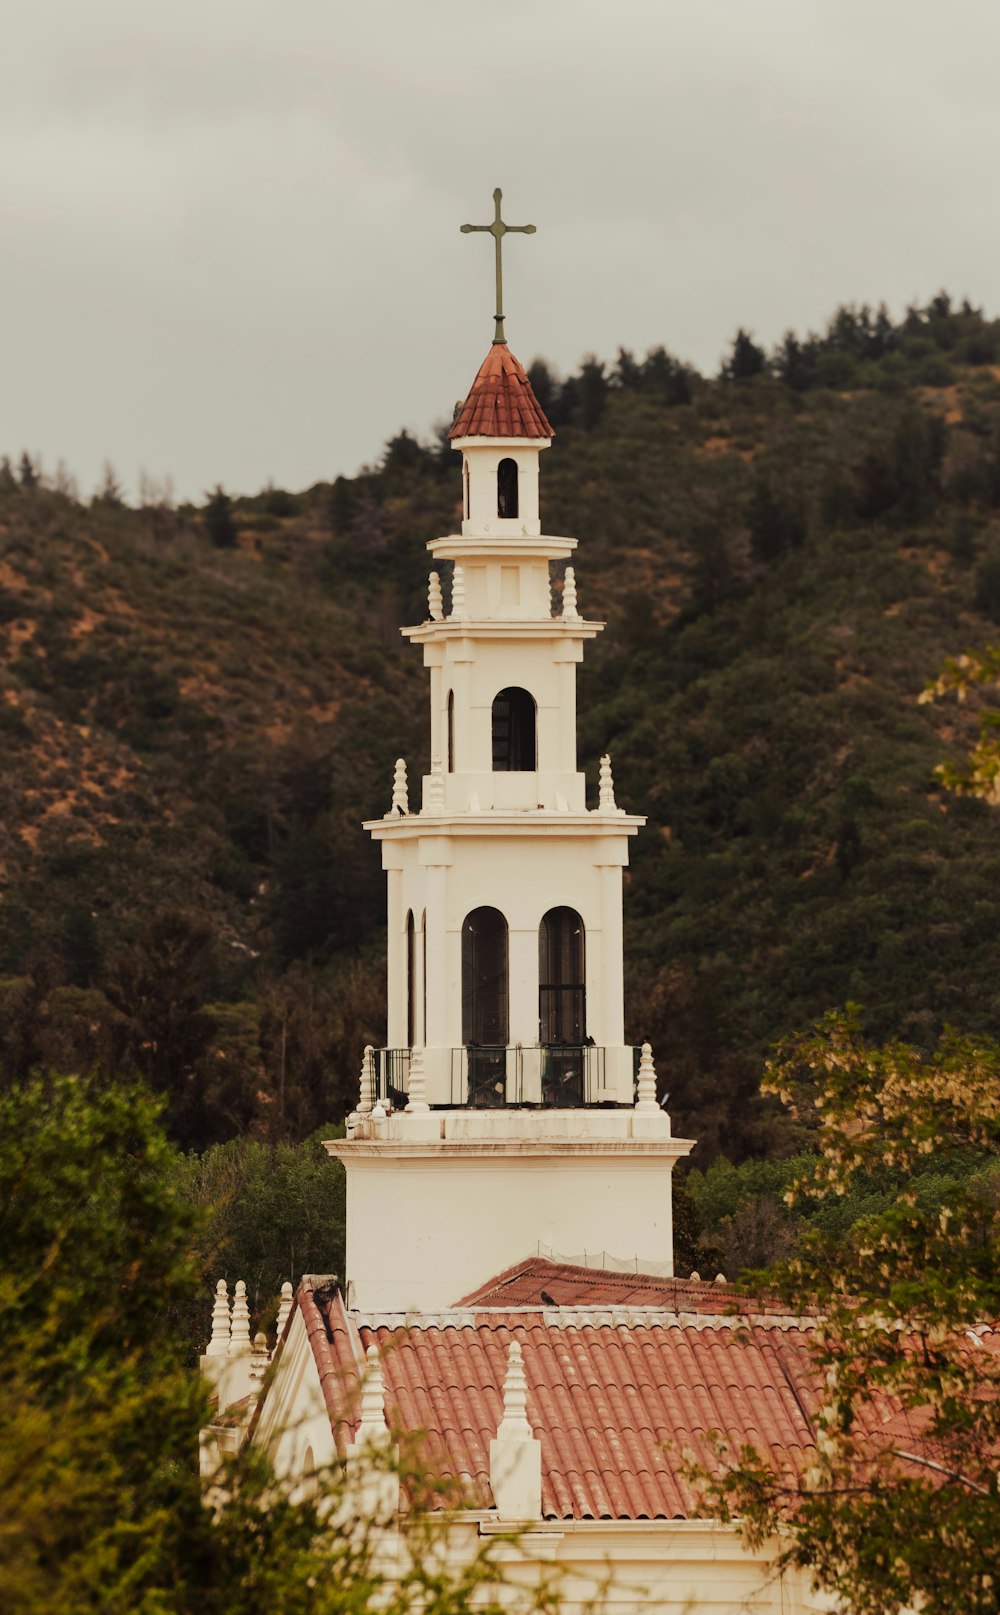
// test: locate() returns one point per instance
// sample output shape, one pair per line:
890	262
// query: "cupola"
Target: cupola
500	430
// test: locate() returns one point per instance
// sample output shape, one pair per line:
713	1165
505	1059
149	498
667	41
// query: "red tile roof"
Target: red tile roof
615	1401
527	1283
613	1404
501	402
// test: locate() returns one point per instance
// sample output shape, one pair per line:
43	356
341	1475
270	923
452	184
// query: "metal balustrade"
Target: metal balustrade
485	1077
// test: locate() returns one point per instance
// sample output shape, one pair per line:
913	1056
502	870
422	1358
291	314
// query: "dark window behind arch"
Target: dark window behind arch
507	488
562	978
513	731
451	731
411	980
484	978
465	488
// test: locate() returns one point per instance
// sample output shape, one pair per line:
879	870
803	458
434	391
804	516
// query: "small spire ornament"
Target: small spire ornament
400	790
284	1308
366	1097
435	604
417	1100
372	1425
570	612
515	1398
458	610
607	783
239	1340
646	1096
218	1346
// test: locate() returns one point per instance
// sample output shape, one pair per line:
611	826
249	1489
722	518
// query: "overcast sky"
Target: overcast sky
230	245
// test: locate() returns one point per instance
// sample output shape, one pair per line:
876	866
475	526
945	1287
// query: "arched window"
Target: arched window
465	488
562	978
562	1006
411	980
451	731
507	488
484	977
423	973
513	732
484	1005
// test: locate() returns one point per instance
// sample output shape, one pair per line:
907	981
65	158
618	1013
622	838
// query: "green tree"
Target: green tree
898	1507
218	519
100	1408
593	392
745	360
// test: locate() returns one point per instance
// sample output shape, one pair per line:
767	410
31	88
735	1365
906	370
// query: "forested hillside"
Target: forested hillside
199	706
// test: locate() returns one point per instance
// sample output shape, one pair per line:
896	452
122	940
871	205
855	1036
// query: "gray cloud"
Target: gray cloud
231	244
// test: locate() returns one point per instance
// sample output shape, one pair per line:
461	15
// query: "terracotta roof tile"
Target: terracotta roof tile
501	402
571	1285
614	1404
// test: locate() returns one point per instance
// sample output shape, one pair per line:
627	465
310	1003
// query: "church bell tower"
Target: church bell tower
506	1113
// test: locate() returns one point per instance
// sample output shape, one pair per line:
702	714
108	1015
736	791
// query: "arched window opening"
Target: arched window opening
451	731
507	488
465	489
308	1487
513	732
484	1005
411	980
562	1005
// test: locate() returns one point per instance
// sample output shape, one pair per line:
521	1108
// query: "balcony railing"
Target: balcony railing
559	1076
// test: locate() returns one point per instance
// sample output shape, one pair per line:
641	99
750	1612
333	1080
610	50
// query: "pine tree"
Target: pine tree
219	523
746	359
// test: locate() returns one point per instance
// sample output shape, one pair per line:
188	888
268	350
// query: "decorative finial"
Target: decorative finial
372	1425
259	1357
435	604
569	611
218	1346
417	1100
498	230
239	1339
284	1308
646	1096
366	1097
515	1398
458	591
607	796
400	793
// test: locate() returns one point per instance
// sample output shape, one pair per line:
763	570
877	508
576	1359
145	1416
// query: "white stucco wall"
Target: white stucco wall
428	1220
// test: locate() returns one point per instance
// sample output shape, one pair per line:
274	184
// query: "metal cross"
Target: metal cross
498	230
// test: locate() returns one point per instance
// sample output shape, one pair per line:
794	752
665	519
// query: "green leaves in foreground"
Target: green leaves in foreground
102	1506
898	1507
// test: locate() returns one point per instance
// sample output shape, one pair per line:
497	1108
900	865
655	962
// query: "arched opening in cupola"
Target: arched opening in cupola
507	488
485	1005
450	712
465	489
514	748
411	980
562	1005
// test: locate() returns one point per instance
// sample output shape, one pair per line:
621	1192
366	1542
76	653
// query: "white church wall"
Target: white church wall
294	1423
428	1224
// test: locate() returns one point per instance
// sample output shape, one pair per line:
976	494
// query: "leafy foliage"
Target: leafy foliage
898	1508
100	1410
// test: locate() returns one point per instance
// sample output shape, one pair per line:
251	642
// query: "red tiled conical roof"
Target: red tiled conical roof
501	402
